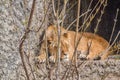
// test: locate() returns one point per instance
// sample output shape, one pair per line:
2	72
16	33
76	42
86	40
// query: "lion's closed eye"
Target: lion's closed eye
49	42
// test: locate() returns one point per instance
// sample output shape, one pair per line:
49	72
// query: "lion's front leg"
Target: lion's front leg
41	58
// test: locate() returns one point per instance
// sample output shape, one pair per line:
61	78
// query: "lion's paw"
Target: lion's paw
52	59
65	58
82	56
39	59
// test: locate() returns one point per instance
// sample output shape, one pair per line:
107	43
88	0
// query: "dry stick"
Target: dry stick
46	11
46	44
57	62
71	7
112	33
47	60
62	14
112	43
102	12
55	14
77	25
76	19
28	60
53	5
115	21
76	38
87	13
23	39
88	9
90	15
93	16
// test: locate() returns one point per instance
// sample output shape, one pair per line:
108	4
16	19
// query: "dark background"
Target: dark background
106	25
107	22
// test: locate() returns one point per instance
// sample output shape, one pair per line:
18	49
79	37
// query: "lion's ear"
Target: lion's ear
65	35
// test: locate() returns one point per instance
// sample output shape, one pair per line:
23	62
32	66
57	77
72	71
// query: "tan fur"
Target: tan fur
52	39
96	44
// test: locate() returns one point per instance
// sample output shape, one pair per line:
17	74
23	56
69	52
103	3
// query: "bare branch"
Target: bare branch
115	21
77	25
23	40
76	19
53	5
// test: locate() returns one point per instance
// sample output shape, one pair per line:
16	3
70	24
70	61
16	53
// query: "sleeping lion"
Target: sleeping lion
90	46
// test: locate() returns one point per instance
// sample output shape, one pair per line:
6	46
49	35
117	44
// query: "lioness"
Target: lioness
52	44
89	43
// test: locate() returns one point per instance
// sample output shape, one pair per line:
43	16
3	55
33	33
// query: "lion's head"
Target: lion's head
52	42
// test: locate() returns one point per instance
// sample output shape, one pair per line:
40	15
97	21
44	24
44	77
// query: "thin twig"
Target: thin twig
23	40
71	7
57	62
77	25
114	40
62	14
109	47
76	19
115	21
28	61
102	12
88	9
91	16
53	5
45	12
